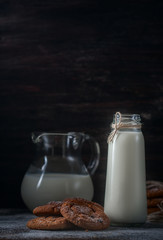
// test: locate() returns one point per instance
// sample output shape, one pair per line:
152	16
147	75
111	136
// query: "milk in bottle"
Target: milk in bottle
125	193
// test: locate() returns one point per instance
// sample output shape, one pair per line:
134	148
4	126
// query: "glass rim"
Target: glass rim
56	133
128	114
36	136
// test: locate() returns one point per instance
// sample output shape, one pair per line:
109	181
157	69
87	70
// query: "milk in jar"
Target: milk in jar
37	189
125	192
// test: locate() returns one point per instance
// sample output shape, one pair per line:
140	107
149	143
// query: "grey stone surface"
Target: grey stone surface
13	227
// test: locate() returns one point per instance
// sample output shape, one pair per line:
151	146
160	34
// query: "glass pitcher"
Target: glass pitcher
58	171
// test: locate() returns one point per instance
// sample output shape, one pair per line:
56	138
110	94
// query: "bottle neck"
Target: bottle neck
125	122
127	119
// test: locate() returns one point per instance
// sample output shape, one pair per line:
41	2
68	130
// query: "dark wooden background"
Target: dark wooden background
69	66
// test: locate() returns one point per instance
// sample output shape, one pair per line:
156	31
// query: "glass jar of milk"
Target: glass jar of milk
125	192
58	171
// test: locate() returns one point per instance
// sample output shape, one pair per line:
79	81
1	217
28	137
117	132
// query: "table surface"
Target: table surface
13	226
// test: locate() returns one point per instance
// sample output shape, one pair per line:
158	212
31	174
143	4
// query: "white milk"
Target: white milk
39	189
125	194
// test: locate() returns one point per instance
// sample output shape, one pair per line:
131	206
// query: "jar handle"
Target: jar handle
95	154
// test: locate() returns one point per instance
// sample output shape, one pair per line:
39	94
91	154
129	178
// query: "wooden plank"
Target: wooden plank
69	66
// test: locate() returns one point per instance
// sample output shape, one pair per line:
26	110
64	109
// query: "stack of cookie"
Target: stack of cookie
154	196
69	214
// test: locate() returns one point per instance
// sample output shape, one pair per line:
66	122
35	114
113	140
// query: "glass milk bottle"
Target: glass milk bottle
125	193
